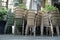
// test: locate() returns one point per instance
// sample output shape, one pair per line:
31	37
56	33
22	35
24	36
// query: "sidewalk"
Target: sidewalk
19	37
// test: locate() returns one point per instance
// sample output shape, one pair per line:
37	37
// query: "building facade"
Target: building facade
33	4
0	3
51	2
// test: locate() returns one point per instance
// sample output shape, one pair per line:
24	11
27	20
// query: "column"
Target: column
50	2
28	4
0	3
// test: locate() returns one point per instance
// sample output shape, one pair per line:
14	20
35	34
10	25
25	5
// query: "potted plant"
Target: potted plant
50	9
22	6
3	12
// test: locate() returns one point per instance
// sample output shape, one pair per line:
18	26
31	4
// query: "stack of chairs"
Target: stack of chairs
31	24
38	22
19	21
9	23
55	18
38	19
46	22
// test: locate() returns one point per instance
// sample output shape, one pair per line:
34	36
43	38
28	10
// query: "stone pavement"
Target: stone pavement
19	37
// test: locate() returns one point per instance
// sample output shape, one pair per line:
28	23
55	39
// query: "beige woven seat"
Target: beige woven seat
56	21
46	22
30	21
19	20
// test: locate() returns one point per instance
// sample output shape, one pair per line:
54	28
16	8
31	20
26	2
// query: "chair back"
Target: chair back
55	19
19	13
10	18
19	16
31	18
38	20
46	20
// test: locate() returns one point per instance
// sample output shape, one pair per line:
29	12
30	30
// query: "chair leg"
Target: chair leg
46	30
15	28
26	30
49	31
42	28
57	29
52	30
30	31
41	31
5	28
23	28
34	30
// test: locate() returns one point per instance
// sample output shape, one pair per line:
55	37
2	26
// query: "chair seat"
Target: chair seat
30	22
19	21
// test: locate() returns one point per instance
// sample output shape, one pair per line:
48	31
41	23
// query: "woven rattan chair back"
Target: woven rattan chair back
45	20
30	18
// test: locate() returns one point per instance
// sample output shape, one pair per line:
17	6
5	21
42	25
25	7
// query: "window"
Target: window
4	3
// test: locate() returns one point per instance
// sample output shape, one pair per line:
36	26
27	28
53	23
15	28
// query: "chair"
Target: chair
55	18
46	22
38	19
38	22
10	22
19	21
31	24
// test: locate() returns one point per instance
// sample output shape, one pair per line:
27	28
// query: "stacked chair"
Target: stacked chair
46	22
31	23
9	23
19	21
55	18
38	22
38	19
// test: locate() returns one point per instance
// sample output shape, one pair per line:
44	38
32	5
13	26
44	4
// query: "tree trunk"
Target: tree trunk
7	4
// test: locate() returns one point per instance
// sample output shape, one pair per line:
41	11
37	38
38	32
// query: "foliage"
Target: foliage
3	12
49	8
22	6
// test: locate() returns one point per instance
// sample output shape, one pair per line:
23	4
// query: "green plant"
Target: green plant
3	12
22	6
49	8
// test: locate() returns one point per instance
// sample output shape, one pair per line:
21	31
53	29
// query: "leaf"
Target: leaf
49	8
22	6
